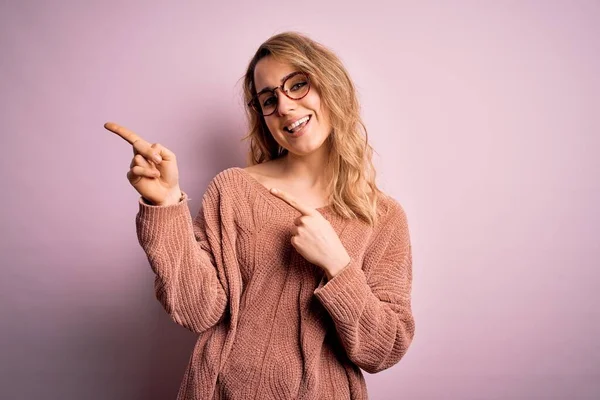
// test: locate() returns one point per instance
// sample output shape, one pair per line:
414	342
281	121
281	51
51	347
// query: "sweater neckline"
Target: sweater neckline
265	191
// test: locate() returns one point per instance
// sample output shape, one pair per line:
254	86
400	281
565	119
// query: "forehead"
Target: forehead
269	72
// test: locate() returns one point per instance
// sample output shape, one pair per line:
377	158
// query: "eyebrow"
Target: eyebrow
266	88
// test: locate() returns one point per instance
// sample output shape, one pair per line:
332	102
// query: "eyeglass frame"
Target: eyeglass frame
253	103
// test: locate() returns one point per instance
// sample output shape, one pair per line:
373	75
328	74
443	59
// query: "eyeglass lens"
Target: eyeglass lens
295	87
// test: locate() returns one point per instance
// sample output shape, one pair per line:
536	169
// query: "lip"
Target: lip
291	121
301	131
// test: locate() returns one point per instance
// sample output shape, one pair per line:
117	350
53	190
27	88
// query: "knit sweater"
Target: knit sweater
270	323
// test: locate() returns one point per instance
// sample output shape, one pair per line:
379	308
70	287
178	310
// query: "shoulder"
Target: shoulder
229	177
230	181
235	186
391	215
389	208
233	176
235	196
391	222
227	184
391	232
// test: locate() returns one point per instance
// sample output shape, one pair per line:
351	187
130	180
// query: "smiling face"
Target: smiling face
305	138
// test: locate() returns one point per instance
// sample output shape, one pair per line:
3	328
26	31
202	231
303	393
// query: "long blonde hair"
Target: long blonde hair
354	193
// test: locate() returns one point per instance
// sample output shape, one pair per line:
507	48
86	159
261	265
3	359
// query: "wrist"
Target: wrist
337	267
172	199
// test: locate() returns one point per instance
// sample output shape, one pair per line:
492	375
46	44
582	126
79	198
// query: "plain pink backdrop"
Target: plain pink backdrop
484	115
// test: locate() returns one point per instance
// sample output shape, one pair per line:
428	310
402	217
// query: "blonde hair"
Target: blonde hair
354	193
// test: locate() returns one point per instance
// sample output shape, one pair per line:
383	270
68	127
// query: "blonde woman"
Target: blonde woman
296	272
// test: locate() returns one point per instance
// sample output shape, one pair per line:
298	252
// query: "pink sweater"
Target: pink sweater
271	325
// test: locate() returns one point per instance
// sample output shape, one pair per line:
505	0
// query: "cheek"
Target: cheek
314	102
322	112
270	125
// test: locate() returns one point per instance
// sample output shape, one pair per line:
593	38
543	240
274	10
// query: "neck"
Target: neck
309	171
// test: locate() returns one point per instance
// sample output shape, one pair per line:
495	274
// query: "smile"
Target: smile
298	125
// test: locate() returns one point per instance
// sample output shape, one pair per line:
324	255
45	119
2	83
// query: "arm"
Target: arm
371	306
182	257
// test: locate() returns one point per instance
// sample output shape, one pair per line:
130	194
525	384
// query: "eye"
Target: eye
298	86
269	101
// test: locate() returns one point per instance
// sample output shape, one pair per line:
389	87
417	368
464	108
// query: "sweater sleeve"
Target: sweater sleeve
181	255
371	306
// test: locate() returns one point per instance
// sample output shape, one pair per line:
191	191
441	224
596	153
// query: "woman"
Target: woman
297	270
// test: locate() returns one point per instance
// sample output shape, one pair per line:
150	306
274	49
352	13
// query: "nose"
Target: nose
284	104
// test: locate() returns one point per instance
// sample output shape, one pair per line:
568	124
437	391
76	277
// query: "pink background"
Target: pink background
485	119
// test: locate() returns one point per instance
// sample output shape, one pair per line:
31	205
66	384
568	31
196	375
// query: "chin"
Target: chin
306	147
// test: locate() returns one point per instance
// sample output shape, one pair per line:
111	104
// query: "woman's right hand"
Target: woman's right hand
153	170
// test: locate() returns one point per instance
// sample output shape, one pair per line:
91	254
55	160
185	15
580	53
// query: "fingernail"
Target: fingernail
157	158
274	191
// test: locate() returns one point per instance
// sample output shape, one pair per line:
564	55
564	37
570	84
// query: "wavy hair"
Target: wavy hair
353	191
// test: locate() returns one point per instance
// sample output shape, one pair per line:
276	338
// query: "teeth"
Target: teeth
299	122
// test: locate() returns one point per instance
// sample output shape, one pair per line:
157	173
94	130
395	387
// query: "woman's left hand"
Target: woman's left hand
315	239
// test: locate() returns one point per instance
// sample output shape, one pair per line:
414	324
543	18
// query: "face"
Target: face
308	139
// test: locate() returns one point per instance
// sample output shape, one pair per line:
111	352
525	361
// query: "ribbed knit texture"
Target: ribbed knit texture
271	325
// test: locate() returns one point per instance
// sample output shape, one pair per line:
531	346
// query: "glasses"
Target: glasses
295	86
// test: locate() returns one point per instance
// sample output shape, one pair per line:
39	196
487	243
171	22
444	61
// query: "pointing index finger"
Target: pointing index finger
305	210
125	133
